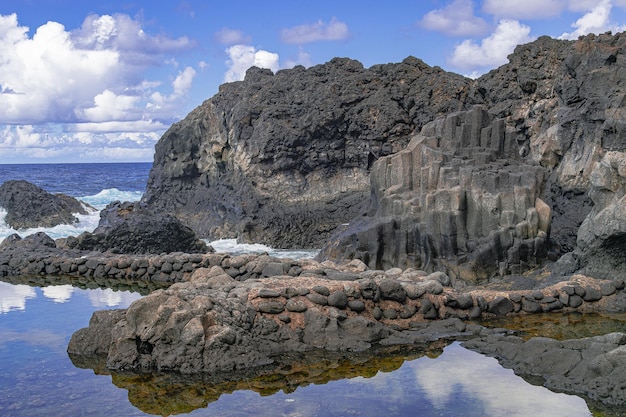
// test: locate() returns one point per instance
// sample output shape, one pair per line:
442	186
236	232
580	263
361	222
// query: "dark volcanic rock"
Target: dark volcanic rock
496	189
30	206
131	228
284	158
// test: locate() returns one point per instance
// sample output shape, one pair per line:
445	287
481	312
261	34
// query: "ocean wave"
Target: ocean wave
86	222
104	197
232	247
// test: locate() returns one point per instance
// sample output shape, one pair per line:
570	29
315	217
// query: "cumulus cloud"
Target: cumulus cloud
456	19
527	9
597	20
492	50
335	30
62	89
303	58
63	76
228	36
87	142
242	57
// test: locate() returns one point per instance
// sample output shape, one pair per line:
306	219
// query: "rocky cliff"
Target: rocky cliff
500	187
284	158
475	177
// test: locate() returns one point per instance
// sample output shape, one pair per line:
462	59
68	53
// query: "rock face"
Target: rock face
460	199
601	244
284	158
29	206
133	229
496	189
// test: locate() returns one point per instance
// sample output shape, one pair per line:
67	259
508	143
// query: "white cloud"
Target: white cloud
242	57
527	9
13	297
227	36
62	91
109	106
87	142
456	19
91	74
303	58
121	33
597	20
58	293
498	390
182	82
103	298
335	30
493	50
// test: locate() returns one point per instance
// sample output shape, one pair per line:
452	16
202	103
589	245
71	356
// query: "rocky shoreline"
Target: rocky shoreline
497	197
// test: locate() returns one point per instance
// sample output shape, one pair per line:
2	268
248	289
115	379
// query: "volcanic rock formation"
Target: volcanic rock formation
481	192
283	159
28	206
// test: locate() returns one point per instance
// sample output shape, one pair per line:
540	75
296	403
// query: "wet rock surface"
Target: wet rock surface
215	323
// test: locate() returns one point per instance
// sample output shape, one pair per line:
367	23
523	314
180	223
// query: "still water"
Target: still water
37	378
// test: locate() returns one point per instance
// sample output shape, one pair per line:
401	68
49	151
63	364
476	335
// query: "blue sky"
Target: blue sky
84	81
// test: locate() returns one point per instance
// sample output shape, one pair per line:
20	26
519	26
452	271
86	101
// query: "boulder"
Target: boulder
29	206
133	229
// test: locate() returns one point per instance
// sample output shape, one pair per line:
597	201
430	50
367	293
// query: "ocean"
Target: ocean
39	315
94	184
100	184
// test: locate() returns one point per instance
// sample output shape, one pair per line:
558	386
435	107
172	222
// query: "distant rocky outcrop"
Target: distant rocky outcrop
133	229
499	188
284	158
29	206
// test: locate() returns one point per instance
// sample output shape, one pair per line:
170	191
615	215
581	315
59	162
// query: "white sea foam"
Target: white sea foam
231	246
104	197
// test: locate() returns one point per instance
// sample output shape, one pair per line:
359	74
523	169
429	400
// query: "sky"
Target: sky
86	81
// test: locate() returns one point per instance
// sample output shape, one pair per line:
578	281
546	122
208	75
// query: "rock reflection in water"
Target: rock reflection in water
395	381
561	326
84	283
172	393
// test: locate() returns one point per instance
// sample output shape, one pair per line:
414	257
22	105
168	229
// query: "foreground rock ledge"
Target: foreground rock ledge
214	323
